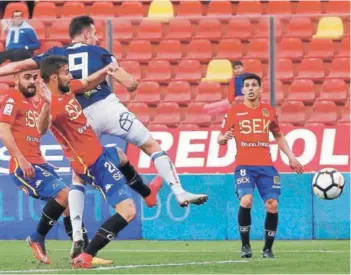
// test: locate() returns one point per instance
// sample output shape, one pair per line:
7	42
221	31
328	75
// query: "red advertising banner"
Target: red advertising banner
197	151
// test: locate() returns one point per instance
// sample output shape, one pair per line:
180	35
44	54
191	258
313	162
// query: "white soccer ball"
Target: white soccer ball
328	184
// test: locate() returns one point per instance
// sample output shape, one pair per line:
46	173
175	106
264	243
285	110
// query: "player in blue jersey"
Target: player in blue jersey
103	109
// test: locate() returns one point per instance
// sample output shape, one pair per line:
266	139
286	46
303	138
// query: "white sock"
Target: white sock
76	209
167	171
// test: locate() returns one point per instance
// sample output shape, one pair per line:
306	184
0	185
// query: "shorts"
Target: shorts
265	178
107	178
110	116
45	185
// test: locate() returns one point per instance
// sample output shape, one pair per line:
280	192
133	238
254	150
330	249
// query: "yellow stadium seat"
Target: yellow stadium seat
330	27
161	10
219	70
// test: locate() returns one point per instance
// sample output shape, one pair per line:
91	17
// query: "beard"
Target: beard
64	88
28	91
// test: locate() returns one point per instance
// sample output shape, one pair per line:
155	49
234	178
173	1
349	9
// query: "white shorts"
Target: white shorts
110	116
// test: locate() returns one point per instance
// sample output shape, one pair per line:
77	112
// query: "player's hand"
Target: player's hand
112	67
228	135
26	167
295	165
45	92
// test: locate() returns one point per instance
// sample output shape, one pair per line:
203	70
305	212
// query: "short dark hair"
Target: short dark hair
16	11
253	76
78	24
51	65
237	63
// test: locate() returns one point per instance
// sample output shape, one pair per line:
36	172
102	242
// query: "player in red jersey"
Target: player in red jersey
249	124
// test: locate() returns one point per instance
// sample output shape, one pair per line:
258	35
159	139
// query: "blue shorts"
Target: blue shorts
46	183
266	178
107	178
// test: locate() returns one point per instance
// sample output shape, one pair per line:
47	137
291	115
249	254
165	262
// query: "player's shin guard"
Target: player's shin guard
106	233
244	221
68	228
134	180
51	213
270	226
76	208
167	171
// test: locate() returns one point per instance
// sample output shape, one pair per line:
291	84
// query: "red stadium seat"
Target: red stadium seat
308	8
122	30
116	50
220	9
196	115
238	28
345	116
249	8
258	48
45	10
340	68
156	127
344	50
229	49
253	66
279	92
302	90
140	50
335	90
149	30
141	110
189	70
132	67
167	114
179	29
190	9
11	7
47	45
199	50
338	8
148	92
299	27
311	68
102	9
122	93
72	9
284	69
159	70
279	8
170	50
131	9
291	48
209	28
59	32
178	92
324	112
293	112
39	28
261	29
209	92
320	48
188	126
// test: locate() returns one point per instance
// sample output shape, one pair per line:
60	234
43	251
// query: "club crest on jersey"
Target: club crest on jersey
265	112
276	180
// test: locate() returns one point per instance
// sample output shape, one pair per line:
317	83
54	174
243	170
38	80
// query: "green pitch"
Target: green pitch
151	257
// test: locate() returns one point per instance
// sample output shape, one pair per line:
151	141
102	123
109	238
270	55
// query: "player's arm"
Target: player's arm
227	129
19	66
44	118
124	78
9	141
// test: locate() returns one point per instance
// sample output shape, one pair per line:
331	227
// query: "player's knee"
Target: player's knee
126	209
246	201
151	146
122	156
271	206
62	197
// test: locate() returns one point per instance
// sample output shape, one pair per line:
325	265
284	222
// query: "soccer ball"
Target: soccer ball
328	183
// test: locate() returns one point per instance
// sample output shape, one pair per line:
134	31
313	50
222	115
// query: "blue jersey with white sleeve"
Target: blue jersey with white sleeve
84	60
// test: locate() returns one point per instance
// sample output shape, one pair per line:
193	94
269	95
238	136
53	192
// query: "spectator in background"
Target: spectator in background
237	82
21	39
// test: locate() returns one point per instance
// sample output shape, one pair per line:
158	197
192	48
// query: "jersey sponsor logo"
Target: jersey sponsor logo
10	101
243	180
31	119
37	183
254	144
73	109
254	126
8	109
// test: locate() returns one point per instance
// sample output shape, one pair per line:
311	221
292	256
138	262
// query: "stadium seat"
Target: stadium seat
103	9
279	92
39	28
161	10
293	112
196	115
141	110
159	70
47	45
308	8
279	8
189	70
284	69
72	9
132	9
320	48
209	28
200	50
291	48
238	28
11	7
178	92
122	30
300	27
179	29
148	92
149	30
311	68
45	10
340	68
229	49
249	8
253	66
140	50
261	29
324	112
330	28
170	50
220	9
258	48
122	93
208	91
219	70
156	127
132	67
345	116
167	114
59	32
338	8
335	90
188	126
302	90
344	50
116	50
190	9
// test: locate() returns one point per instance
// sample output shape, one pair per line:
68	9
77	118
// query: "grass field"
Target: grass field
151	257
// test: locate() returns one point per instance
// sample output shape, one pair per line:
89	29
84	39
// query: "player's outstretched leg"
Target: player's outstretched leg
270	226
51	213
125	212
244	221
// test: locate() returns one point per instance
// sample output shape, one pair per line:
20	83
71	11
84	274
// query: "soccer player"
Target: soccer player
249	123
